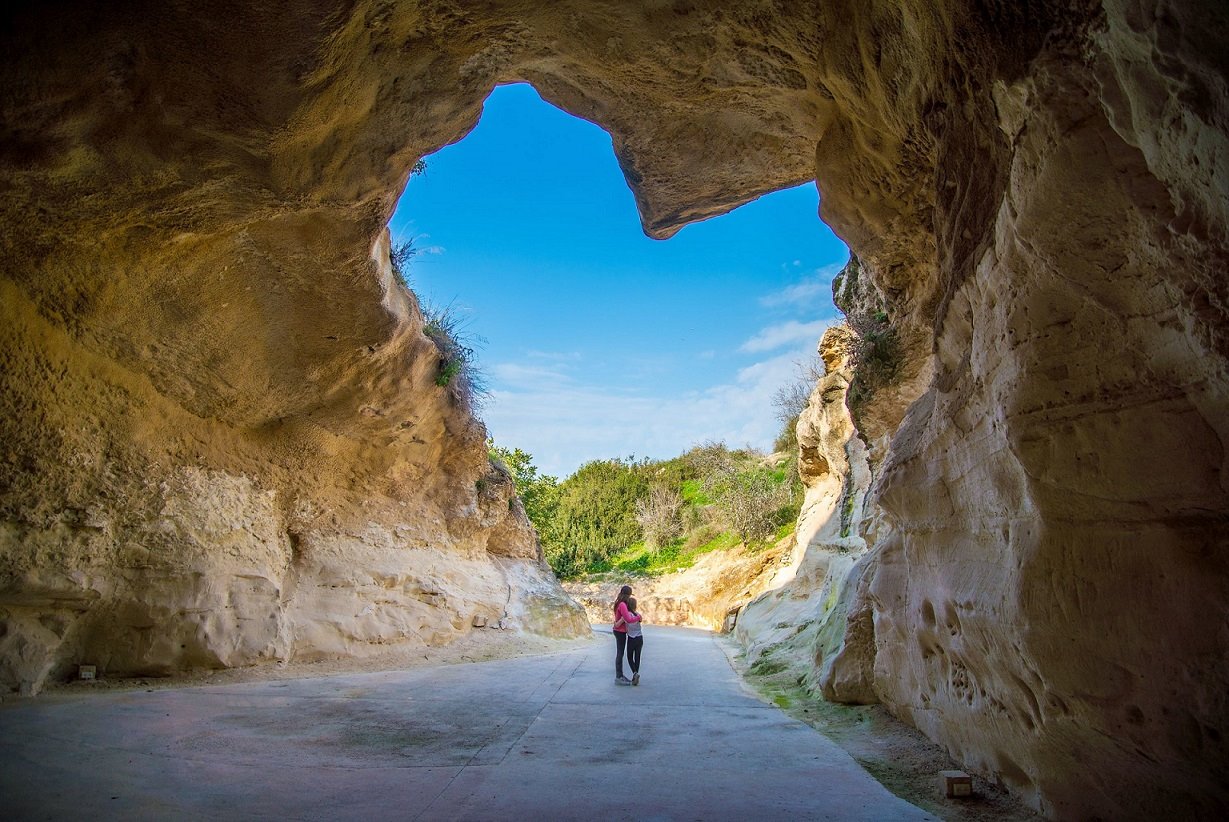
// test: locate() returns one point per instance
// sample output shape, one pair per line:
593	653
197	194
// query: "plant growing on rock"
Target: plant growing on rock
399	257
874	355
458	366
874	352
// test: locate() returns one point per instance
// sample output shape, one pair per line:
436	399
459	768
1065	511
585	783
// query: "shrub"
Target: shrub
753	500
874	353
596	516
658	515
458	366
874	356
791	399
787	440
539	493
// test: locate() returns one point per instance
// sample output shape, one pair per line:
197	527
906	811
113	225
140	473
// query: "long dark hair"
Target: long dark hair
625	593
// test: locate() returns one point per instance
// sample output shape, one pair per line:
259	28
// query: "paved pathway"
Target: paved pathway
526	739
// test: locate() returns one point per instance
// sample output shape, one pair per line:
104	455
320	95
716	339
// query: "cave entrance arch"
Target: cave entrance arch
595	338
1022	184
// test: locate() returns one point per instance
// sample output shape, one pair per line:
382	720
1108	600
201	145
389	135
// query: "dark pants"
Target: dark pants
620	644
634	644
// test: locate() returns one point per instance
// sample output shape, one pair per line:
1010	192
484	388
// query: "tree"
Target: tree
791	400
539	493
596	517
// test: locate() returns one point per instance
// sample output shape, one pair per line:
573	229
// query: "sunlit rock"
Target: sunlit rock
220	435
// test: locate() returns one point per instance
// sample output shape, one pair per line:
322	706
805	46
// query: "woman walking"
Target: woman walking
621	613
635	638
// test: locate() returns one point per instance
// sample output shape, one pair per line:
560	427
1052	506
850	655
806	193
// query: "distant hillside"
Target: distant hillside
650	517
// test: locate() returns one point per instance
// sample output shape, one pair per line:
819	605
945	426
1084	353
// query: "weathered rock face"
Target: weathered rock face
146	539
222	438
807	614
1057	498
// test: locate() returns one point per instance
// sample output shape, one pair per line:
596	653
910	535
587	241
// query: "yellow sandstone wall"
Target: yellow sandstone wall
220	438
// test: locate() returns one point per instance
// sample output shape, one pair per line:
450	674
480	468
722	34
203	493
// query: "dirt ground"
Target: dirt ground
898	756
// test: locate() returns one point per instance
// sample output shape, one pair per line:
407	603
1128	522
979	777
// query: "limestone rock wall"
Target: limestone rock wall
221	436
811	613
1046	521
145	539
1057	497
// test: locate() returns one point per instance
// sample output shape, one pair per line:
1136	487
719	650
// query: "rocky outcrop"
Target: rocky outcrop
217	406
1025	567
145	539
818	611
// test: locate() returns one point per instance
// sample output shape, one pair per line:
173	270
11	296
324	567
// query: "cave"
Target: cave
222	440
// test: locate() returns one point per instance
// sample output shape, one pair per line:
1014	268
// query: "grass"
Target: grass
679	554
400	256
896	755
692	492
458	366
682	553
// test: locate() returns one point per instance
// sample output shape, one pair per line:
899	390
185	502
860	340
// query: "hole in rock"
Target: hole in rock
595	341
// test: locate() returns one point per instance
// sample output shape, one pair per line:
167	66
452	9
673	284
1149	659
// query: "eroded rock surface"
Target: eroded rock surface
222	441
810	612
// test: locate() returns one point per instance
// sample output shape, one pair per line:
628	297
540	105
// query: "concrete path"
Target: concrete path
548	737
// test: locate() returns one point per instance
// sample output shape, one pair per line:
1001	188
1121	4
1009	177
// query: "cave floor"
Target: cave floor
546	737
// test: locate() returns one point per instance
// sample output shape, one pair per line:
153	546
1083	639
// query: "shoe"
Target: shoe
636	679
622	680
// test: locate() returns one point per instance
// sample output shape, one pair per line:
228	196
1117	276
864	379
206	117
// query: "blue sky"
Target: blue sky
596	340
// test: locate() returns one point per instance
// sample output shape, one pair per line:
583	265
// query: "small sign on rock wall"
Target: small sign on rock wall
956	784
87	672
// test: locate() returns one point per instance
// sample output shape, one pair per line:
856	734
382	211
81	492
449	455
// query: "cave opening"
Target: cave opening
595	340
216	454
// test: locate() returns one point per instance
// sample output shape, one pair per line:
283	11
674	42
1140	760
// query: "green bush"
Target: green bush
605	518
596	516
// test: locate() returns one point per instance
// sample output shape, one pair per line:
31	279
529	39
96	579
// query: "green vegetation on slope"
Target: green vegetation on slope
654	517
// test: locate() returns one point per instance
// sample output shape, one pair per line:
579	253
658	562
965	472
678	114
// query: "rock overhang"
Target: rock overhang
191	200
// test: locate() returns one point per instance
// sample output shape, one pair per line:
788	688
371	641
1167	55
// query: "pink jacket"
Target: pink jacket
621	612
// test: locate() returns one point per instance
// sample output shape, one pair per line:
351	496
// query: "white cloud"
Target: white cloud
566	424
554	356
786	333
814	288
420	247
518	375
